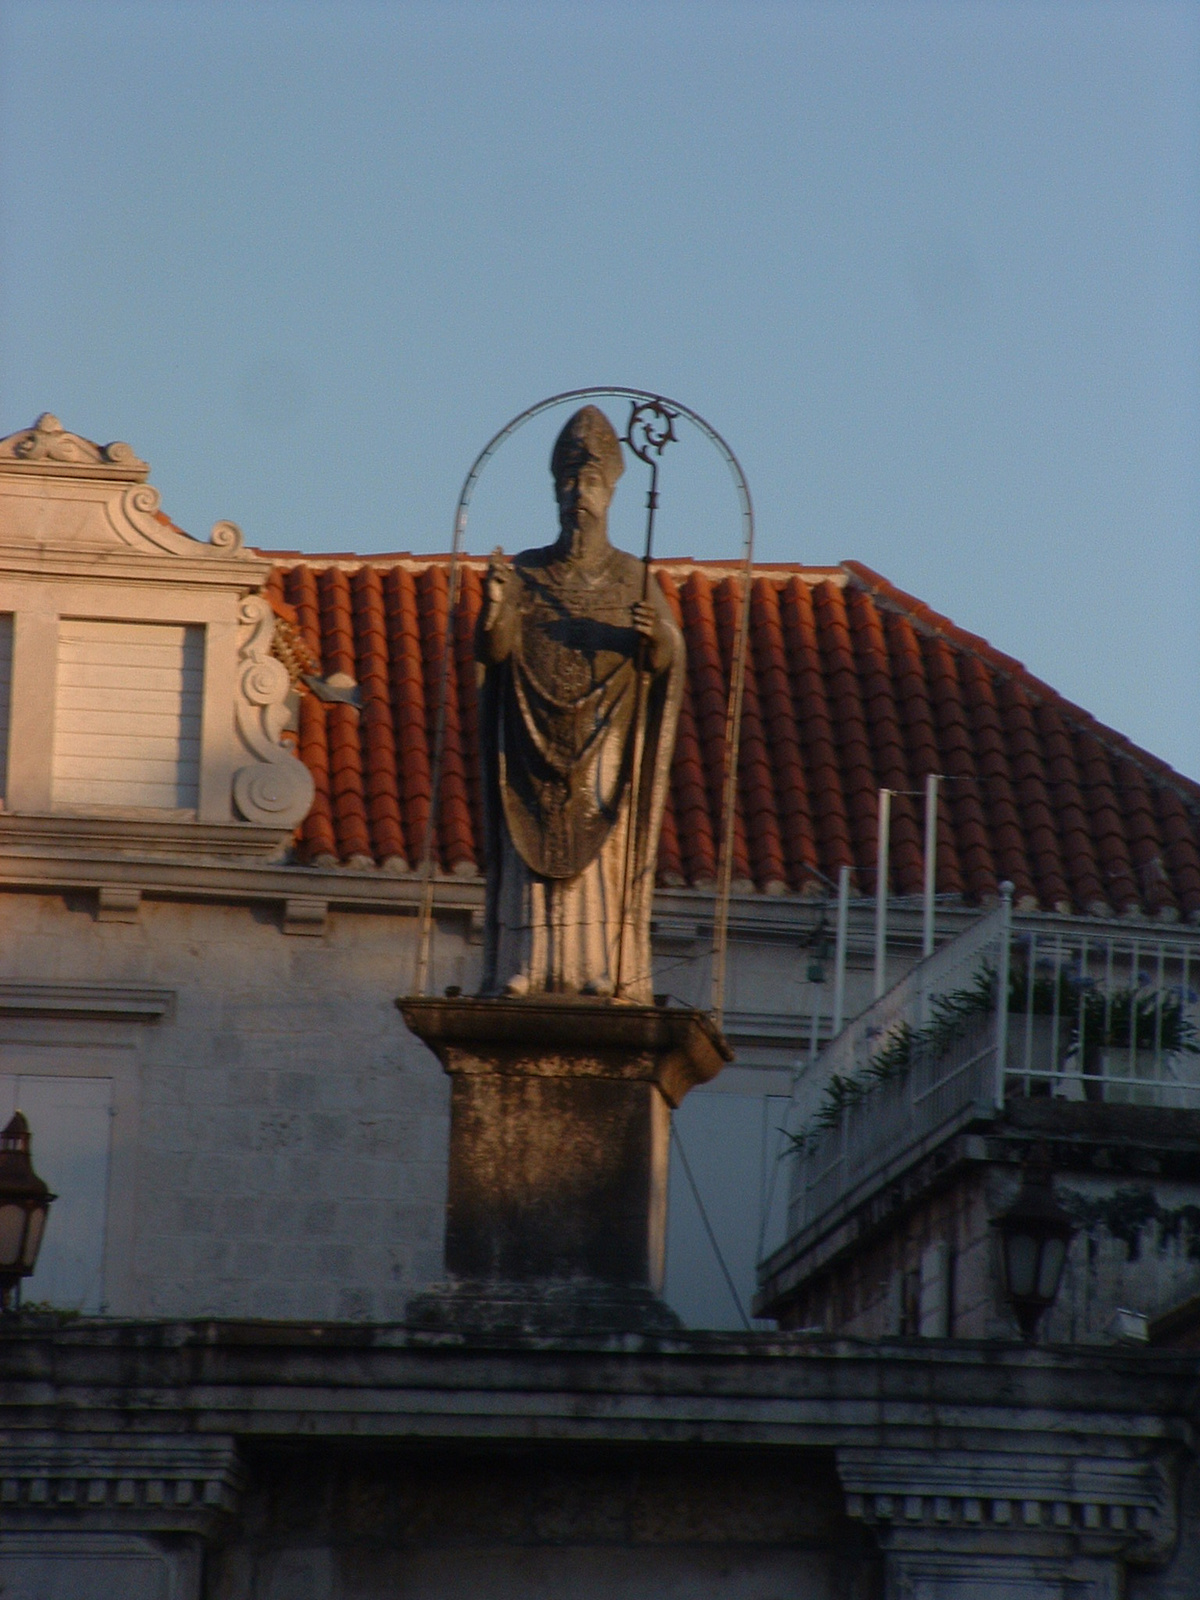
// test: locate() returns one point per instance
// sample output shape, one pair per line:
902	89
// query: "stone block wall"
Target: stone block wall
1137	1247
278	1137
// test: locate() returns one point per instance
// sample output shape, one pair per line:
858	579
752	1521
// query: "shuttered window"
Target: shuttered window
127	724
6	640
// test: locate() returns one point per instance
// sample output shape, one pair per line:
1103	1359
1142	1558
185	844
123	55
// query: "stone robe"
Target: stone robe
568	766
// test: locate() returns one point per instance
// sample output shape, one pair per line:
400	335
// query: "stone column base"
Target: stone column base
559	1143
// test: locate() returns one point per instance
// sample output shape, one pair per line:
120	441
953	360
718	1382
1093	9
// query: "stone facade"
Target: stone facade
329	1462
250	1151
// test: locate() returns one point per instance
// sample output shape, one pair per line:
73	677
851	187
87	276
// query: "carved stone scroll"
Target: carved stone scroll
274	789
137	521
49	450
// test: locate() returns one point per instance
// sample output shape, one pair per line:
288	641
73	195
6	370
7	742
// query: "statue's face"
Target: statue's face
584	492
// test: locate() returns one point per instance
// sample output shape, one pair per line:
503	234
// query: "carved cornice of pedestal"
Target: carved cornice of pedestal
100	1484
50	451
1096	1505
551	1038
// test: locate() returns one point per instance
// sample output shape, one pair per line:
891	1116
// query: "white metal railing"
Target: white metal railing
1047	1010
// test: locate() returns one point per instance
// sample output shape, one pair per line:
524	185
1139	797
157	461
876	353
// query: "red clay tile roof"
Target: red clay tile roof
851	685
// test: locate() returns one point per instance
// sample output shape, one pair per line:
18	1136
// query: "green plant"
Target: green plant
1141	1019
1091	1017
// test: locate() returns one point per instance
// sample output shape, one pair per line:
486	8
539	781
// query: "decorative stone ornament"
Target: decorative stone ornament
24	1203
275	787
84	536
49	450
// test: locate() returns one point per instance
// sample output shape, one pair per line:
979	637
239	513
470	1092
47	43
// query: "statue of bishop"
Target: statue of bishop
582	672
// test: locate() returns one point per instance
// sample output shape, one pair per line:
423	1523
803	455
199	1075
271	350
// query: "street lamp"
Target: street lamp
1034	1234
24	1201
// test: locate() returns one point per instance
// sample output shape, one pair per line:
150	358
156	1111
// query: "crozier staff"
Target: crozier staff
570	767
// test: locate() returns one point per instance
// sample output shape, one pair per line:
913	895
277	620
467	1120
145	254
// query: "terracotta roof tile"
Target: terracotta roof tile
850	684
916	712
1145	838
345	754
1181	852
756	789
972	837
407	679
786	764
695	838
1112	850
1029	787
991	759
883	722
317	839
455	842
707	673
378	730
1066	796
860	784
814	725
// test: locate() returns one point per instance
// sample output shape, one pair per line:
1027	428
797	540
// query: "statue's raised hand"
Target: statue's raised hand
495	585
498	621
649	625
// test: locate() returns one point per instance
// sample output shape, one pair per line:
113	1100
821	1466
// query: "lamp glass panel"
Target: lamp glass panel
1054	1256
37	1221
1021	1252
12	1232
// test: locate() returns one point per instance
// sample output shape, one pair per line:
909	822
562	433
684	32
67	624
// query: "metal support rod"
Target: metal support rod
650	442
881	889
839	949
931	832
428	843
733	731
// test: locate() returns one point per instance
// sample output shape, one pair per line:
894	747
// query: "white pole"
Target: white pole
839	949
1002	977
881	889
931	822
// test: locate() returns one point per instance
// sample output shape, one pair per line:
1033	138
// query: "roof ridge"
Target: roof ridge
811	572
932	622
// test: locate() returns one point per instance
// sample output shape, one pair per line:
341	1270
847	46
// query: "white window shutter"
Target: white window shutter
127	723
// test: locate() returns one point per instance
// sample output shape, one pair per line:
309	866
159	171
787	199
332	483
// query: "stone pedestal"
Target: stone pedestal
559	1144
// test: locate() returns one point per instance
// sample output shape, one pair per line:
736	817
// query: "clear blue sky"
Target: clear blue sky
931	269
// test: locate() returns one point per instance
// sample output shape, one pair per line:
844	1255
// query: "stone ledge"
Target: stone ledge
151	837
165	1485
494	1310
1098	1504
571	1037
98	1001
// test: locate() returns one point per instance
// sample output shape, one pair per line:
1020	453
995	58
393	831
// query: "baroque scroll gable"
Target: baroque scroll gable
137	520
61	493
275	789
48	450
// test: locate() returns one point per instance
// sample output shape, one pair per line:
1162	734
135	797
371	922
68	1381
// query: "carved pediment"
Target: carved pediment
50	451
63	497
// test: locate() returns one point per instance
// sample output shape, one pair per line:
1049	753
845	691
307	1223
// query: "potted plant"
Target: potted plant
1125	1038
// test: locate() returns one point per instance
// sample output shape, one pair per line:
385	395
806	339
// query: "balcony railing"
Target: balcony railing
1053	1010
